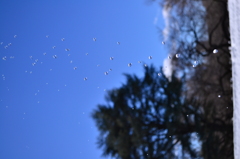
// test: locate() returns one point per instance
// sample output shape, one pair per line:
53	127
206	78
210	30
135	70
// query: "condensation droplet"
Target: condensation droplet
34	64
110	69
159	74
193	65
30	72
139	62
177	55
94	39
30	57
85	79
74	68
4	58
15	36
63	39
111	58
98	65
54	56
106	73
44	53
130	64
67	49
170	57
71	61
54	47
118	43
215	51
47	36
150	57
195	62
163	42
9	44
145	65
68	54
86	53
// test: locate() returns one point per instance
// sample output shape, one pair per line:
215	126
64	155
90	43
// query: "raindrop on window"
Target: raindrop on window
63	39
170	57
4	58
159	74
145	65
118	43
15	36
1	43
195	62
47	36
130	64
71	61
74	68
9	44
11	57
163	42
215	51
111	58
30	72
36	60
44	53
85	79
150	57
139	62
50	69
94	39
54	47
68	54
106	73
54	56
86	53
6	47
110	69
98	65
6	106
67	49
177	55
34	64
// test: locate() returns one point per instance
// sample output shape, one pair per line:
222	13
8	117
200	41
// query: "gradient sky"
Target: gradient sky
45	104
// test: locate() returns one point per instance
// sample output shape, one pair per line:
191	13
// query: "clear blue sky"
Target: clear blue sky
45	109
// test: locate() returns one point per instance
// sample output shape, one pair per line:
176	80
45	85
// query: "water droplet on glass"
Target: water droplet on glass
47	36
34	64
106	73
11	57
118	43
74	68
9	44
86	53
85	79
54	56
163	42
54	47
15	36
71	61
30	57
130	64
63	39
159	74
150	57
145	65
139	62
177	55
30	72
6	47
67	49
170	57
219	96
36	60
110	69
94	39
111	58
4	58
215	51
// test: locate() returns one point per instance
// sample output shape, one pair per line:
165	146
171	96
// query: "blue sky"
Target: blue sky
45	109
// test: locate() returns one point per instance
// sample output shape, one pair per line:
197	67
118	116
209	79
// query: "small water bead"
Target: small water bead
71	61
6	47
86	53
11	57
9	44
106	73
44	53
74	68
94	39
130	64
177	55
36	60
30	57
215	51
118	43
145	65
163	42
30	72
15	36
195	62
67	49
47	36
150	57
33	63
63	39
98	65
54	47
159	74
85	79
50	69
110	69
54	56
139	62
111	58
170	57
4	58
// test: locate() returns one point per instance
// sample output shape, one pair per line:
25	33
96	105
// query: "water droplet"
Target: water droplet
54	56
86	53
111	58
110	69
145	65
63	39
30	72
139	62
67	49
36	60
170	57
30	57
94	39
130	64
193	65
118	43
150	57
46	83
15	36
54	47
71	61
195	62
6	47
4	58
74	68
215	51
219	96
11	57
106	73
47	36
159	74
44	53
9	44
177	55
34	64
85	79
163	42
